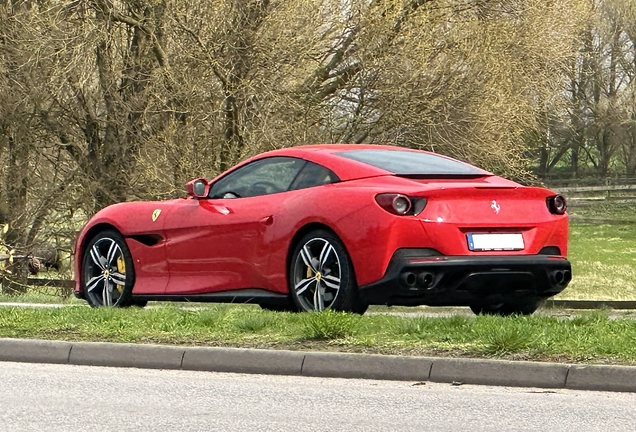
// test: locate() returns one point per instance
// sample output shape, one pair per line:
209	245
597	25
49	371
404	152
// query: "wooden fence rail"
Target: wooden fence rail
54	283
589	195
583	189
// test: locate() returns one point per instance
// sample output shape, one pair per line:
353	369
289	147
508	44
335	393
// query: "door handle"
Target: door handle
268	220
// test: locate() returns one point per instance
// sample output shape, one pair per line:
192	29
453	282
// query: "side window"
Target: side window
261	177
313	175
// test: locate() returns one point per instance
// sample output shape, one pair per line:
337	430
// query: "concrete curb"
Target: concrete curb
323	364
591	377
35	351
501	373
125	355
240	360
366	366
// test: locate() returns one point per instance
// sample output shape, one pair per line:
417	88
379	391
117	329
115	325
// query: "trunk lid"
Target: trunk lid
475	218
479	205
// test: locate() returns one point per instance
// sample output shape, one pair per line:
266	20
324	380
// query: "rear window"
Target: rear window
410	163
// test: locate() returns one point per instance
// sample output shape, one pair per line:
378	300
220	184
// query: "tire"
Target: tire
108	274
279	307
138	303
522	307
321	275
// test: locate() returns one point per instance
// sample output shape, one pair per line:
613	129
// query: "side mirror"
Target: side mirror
197	188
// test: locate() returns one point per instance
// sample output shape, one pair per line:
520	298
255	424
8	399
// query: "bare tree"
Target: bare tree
600	91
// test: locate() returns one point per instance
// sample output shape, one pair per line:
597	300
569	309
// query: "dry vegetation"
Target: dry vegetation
107	101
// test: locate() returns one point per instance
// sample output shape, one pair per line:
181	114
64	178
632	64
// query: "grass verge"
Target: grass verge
591	338
603	261
603	255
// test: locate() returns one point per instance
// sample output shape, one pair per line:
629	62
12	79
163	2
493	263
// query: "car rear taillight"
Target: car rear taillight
556	204
400	204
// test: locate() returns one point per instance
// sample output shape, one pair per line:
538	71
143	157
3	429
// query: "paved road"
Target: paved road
35	397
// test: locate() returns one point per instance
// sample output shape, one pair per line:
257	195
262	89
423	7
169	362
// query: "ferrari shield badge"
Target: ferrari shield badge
155	214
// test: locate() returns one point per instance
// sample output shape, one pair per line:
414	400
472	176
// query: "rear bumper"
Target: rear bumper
423	277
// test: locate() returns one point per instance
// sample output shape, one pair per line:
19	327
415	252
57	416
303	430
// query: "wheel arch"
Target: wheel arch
93	231
80	248
305	229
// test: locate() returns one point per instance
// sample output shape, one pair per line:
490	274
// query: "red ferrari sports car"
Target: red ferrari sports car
334	227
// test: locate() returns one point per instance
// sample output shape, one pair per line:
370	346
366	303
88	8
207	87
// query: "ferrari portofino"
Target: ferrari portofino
334	227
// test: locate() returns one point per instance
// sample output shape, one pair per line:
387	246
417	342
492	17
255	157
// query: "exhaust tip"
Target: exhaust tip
408	279
425	279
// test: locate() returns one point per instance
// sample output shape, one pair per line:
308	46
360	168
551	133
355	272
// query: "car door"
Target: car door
220	242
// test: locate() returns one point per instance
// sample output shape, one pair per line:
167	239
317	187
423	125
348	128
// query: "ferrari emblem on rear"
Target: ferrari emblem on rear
496	207
155	214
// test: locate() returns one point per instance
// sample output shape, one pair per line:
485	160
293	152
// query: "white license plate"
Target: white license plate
492	242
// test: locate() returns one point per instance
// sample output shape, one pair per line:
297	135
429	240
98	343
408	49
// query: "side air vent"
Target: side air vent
147	239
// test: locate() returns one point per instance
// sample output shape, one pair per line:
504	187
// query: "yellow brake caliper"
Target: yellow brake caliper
121	268
310	273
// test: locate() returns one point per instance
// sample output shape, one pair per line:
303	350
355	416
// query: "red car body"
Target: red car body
239	249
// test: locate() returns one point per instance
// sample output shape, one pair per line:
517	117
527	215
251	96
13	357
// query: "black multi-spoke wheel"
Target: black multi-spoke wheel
107	271
321	275
520	307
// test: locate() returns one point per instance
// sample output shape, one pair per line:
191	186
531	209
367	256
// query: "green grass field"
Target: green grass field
613	211
603	256
603	262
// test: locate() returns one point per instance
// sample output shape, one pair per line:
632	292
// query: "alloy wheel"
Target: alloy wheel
104	272
316	275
